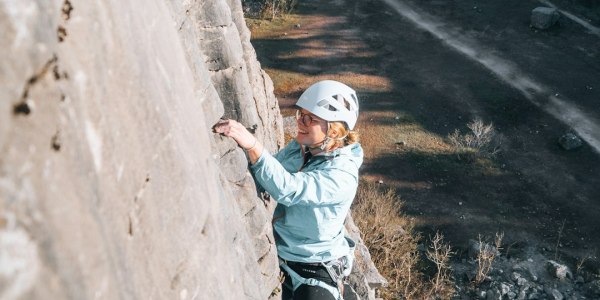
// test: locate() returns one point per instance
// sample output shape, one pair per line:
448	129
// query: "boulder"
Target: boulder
475	247
558	270
570	141
505	288
522	281
554	294
544	17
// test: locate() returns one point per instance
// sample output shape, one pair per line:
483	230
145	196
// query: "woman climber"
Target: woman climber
314	180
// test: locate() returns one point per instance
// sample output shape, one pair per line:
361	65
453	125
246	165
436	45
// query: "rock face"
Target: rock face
365	279
112	185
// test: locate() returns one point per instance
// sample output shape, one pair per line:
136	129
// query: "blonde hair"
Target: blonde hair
344	136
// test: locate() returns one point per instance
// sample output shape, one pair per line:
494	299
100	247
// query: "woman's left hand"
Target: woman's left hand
237	131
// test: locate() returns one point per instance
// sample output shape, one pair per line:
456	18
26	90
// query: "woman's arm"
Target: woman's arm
318	187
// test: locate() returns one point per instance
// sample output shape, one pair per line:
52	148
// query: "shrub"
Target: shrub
439	253
268	9
392	242
485	257
481	140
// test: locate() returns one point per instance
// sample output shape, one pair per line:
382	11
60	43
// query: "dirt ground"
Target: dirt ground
418	82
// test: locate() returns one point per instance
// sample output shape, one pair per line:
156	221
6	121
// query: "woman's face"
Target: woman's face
311	129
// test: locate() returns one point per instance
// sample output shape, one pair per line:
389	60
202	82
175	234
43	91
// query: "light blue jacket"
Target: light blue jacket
312	203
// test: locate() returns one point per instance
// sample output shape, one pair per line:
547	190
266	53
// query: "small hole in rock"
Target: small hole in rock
56	142
62	33
32	80
130	229
56	73
22	108
66	10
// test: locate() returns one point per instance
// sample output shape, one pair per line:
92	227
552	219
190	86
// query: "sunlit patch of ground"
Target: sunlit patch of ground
270	29
289	85
323	49
394	132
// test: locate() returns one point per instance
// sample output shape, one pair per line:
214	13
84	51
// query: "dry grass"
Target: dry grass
393	245
286	82
276	8
394	132
272	29
376	138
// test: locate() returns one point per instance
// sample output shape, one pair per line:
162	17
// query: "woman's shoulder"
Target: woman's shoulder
348	157
291	150
292	147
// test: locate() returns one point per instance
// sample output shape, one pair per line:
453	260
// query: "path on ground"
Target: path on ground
426	68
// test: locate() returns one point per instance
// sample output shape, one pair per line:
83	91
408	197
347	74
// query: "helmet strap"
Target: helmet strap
324	143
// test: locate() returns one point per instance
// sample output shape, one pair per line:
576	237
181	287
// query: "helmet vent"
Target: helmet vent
347	104
325	104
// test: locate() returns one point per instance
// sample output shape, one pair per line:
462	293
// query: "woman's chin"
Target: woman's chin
302	139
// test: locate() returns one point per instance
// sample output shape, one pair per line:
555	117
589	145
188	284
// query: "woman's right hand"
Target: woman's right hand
237	131
242	137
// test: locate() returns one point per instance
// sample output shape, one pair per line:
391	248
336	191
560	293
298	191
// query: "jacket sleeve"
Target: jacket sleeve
319	187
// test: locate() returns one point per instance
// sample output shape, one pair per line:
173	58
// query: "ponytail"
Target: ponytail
344	136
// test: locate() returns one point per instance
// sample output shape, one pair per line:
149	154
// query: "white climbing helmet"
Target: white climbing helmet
331	101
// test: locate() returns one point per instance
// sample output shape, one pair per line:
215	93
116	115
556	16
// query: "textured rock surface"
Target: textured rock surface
112	185
365	277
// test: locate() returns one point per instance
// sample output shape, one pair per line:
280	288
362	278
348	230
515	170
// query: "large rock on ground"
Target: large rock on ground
558	270
112	185
570	141
544	17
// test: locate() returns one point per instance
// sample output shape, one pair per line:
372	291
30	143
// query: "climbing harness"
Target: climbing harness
337	270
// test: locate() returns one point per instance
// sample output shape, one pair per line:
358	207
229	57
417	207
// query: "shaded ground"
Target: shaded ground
414	88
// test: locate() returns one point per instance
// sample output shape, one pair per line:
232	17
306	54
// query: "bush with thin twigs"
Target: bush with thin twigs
392	243
481	140
439	253
581	261
485	257
560	232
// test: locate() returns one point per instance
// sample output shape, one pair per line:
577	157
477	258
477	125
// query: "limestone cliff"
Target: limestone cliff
112	185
